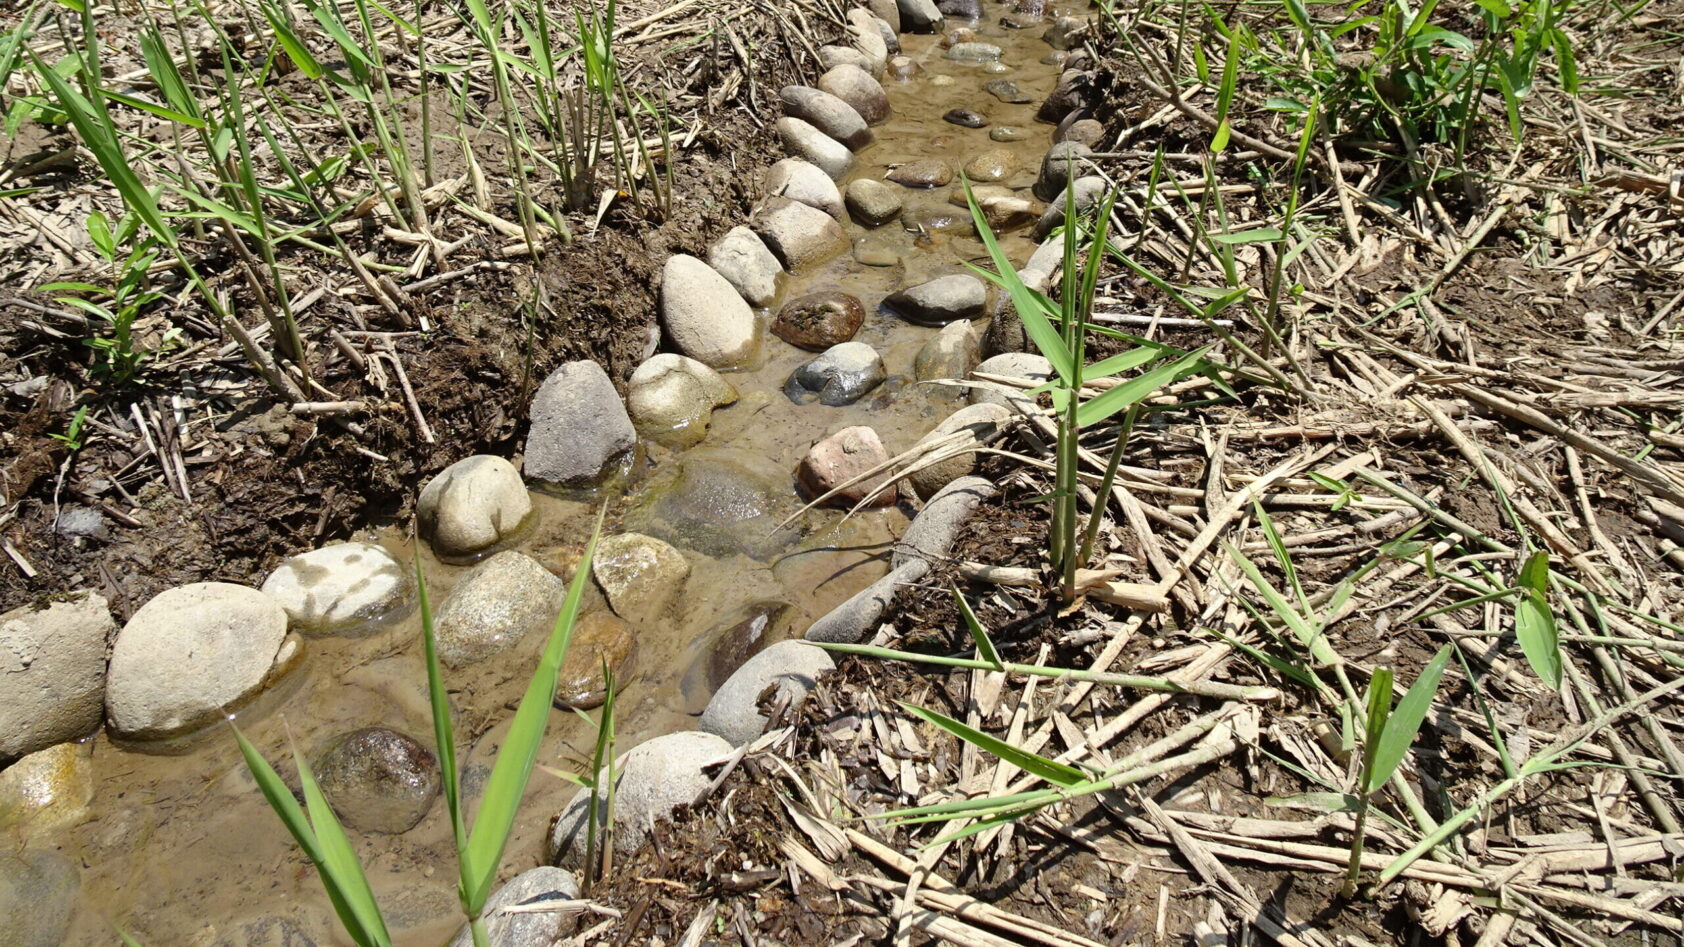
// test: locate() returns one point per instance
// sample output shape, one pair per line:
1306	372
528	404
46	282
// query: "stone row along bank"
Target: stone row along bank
194	654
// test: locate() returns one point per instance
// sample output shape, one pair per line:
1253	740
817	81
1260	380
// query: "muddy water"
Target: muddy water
180	849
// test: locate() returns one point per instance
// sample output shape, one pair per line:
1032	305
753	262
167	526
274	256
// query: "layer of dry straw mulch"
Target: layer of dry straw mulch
1529	401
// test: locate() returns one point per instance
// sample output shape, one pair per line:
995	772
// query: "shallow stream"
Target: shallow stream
181	849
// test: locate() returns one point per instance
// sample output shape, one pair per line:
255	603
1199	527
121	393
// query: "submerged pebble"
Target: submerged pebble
600	640
841	376
377	779
974	52
819	320
718	652
929	172
1007	91
872	202
990	165
941	300
996	68
641	575
964	118
904	67
869	252
1007	133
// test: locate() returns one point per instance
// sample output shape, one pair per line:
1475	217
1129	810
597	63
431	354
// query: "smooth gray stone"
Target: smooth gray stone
935	527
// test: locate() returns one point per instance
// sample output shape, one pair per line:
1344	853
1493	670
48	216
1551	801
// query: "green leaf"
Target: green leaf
1496	8
339	861
1374	727
161	111
1061	774
1534	623
1225	93
513	768
280	799
1031	308
444	736
979	634
93	125
293	44
1109	402
1257	235
1405	722
1565	61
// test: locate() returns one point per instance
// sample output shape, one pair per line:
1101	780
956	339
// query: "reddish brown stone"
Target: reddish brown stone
819	320
839	458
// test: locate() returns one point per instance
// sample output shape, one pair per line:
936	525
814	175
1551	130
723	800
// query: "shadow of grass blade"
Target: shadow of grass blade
515	761
345	886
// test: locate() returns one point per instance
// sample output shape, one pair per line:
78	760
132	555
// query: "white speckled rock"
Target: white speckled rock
704	316
801	181
193	654
827	113
52	673
473	506
580	431
804	141
641	575
743	259
652	779
342	589
499	602
793	667
672	398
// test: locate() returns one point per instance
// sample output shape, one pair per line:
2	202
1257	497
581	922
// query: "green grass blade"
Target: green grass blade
340	869
293	44
1050	770
1225	93
509	775
979	634
1534	624
1031	308
101	139
1308	634
1405	721
444	735
1124	361
1109	402
1374	726
1283	556
280	799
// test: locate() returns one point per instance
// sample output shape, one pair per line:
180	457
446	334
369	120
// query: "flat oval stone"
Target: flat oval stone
974	52
840	376
929	172
342	589
990	165
870	253
819	320
954	37
996	68
965	118
1007	91
1007	133
944	218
